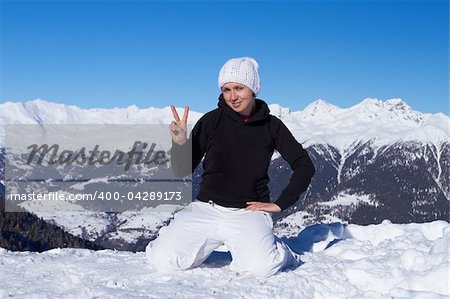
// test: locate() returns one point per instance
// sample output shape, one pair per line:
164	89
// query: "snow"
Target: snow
344	199
376	261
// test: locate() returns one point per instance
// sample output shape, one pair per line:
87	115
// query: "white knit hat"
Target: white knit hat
243	70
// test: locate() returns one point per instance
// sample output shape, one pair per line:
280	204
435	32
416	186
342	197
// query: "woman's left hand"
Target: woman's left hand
263	206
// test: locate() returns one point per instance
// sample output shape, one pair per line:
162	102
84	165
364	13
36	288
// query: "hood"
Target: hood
261	113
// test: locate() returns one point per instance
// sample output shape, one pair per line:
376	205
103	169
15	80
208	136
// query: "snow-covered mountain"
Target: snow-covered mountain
376	160
380	121
43	112
319	123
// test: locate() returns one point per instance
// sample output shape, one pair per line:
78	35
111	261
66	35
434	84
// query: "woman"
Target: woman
237	141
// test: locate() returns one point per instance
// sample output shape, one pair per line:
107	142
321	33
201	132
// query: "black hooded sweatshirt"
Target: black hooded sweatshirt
237	155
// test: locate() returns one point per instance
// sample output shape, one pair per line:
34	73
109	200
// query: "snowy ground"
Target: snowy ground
376	261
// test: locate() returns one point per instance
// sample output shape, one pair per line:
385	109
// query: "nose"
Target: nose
234	95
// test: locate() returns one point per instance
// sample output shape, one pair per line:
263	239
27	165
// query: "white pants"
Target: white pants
195	233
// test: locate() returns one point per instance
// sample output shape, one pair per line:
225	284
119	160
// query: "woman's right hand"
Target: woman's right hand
178	129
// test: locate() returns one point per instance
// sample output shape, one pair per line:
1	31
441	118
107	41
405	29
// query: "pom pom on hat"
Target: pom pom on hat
243	70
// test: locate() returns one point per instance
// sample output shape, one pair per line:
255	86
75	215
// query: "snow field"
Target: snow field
376	261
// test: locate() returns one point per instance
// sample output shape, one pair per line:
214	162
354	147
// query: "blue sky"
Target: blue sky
156	53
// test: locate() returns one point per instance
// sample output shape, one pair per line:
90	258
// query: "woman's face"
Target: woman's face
238	97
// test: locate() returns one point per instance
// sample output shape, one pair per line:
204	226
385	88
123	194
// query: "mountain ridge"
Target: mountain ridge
320	122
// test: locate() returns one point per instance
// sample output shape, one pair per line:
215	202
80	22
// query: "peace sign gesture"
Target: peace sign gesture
178	127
